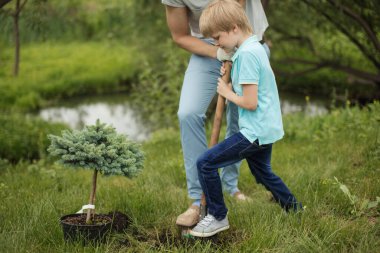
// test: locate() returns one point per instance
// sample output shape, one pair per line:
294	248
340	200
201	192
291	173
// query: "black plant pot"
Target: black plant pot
88	234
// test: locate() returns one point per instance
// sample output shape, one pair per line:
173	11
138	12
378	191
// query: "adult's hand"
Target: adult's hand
222	55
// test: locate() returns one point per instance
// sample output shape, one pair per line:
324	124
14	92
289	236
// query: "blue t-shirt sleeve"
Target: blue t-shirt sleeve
249	69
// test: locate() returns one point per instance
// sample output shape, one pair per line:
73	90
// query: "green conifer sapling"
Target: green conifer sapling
100	148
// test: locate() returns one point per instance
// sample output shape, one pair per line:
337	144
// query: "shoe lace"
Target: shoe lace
206	221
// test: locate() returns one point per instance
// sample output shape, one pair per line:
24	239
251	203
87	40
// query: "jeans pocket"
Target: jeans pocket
249	149
263	146
253	148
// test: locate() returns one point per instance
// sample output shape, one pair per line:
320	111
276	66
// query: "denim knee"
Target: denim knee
189	116
200	163
182	115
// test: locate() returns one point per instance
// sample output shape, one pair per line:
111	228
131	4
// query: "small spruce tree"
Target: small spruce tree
100	148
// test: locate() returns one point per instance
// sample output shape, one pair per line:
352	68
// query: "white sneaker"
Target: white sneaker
210	226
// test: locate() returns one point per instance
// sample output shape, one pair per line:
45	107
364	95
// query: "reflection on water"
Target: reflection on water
117	111
293	103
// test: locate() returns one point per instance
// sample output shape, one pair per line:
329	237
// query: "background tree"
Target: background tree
15	14
340	35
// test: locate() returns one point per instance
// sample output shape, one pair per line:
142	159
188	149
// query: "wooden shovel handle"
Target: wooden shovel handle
218	116
220	108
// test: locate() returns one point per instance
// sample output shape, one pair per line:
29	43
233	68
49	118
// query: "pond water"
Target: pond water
293	103
116	110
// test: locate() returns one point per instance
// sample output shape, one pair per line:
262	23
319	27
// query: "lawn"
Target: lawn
344	144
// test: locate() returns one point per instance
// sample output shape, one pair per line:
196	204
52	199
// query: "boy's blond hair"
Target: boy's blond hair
222	16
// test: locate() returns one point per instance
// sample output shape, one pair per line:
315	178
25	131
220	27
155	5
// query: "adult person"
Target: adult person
198	89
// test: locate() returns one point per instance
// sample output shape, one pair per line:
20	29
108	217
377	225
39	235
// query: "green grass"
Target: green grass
344	144
54	71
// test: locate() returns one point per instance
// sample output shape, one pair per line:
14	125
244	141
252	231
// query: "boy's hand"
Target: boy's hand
222	70
223	89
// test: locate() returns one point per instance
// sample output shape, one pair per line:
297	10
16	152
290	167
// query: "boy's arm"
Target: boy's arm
178	24
247	101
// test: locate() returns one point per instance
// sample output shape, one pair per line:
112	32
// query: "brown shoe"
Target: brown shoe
190	217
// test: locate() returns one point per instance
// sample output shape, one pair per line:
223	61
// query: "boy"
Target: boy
260	120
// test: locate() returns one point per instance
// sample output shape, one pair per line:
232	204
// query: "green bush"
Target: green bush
25	138
160	85
351	122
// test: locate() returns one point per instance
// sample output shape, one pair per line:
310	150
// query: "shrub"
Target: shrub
24	138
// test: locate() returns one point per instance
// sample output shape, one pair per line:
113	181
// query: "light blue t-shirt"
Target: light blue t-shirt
251	66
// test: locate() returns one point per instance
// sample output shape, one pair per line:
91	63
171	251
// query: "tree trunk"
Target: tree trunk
92	197
16	36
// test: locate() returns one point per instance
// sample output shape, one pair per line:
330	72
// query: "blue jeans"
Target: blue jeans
198	89
230	151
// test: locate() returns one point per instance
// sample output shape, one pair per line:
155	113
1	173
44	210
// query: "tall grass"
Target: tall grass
53	71
25	138
344	144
